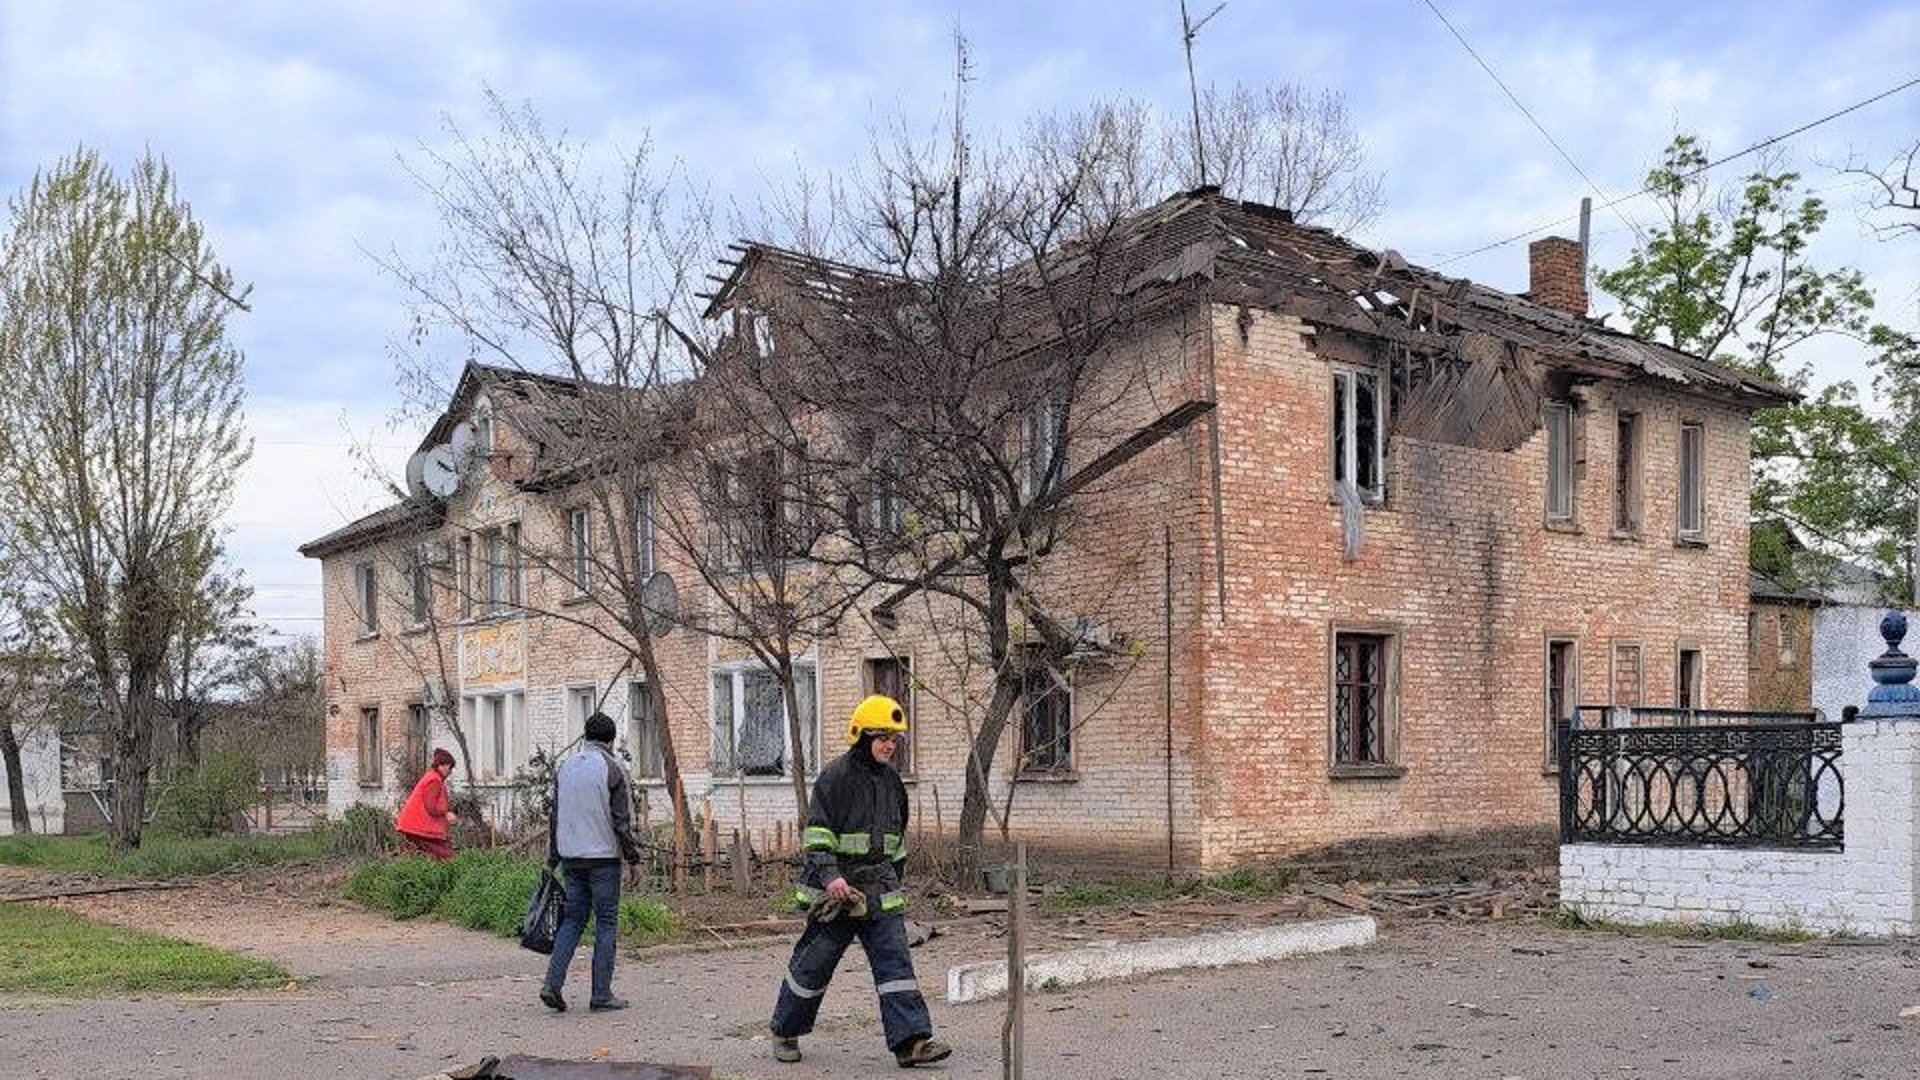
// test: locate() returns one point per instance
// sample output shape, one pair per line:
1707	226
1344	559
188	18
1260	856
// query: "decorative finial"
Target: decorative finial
1894	697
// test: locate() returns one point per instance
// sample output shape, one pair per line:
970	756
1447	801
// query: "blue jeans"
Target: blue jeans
592	885
903	1011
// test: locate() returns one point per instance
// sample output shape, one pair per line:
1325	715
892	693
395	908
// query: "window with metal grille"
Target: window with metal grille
1046	723
1360	699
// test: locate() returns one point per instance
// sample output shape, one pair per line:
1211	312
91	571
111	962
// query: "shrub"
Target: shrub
212	800
403	888
362	830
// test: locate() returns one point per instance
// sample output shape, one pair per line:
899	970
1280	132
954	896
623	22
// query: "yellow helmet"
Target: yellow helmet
877	713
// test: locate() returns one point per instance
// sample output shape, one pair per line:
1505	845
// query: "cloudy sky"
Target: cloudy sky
283	122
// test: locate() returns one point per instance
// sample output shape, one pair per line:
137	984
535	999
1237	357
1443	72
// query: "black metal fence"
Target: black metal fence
1724	779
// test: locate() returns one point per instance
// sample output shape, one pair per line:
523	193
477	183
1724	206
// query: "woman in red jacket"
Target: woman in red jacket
424	817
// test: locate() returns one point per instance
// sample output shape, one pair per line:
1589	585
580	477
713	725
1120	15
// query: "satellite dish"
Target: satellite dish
416	483
439	471
659	604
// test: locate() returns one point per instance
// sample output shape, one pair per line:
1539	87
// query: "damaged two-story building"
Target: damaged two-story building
1351	535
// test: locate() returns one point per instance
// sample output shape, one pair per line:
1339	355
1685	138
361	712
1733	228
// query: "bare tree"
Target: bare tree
565	268
211	635
1284	146
122	424
1895	208
959	388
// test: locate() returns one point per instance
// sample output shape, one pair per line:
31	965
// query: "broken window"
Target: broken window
1626	475
1560	476
1789	640
749	730
370	747
747	494
1359	433
1693	496
1045	446
1046	722
1361	699
1562	688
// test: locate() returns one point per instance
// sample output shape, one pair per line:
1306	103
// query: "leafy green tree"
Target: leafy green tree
121	429
1726	276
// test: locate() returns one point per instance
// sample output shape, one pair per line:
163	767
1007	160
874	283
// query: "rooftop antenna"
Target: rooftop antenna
1188	31
962	75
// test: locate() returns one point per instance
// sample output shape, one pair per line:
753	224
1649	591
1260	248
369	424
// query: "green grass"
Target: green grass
49	951
1246	883
162	856
487	890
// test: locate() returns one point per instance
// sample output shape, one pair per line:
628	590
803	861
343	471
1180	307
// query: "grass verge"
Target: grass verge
1568	919
488	890
162	856
50	951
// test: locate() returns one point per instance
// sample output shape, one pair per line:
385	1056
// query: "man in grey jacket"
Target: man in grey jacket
590	832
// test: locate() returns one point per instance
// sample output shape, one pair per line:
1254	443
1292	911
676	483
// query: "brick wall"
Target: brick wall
1557	274
1457	568
1780	657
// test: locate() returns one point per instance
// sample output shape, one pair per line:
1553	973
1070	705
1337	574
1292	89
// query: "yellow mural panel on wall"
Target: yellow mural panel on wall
493	654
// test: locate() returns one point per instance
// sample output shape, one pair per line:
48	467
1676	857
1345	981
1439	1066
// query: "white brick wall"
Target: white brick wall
1872	886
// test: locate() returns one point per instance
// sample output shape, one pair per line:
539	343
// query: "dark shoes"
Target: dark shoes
551	999
607	1004
922	1051
787	1050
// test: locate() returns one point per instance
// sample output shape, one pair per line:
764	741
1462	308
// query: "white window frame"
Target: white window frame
580	548
502	588
1344	448
1045	443
1562	504
730	706
497	733
1690	517
643	535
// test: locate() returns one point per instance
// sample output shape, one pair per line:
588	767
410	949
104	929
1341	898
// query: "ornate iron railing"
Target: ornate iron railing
1767	780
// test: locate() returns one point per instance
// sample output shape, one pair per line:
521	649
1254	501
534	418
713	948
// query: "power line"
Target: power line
1761	145
1528	113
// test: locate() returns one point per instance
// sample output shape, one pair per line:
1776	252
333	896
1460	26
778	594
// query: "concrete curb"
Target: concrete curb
1119	960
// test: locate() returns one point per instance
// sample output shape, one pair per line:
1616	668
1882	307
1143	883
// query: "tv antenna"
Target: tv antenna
1188	31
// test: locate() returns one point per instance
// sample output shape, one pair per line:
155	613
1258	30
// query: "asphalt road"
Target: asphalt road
1493	1000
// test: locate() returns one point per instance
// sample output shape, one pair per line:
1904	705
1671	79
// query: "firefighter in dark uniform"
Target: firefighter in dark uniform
855	851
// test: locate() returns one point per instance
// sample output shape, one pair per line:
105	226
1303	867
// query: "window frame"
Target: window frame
1689	680
1690	513
646	747
503	589
736	701
1042	688
1345	436
500	740
366	594
1386	762
417	736
420	586
372	749
1567	691
644	554
892	675
1558	419
1043	446
1628	493
580	548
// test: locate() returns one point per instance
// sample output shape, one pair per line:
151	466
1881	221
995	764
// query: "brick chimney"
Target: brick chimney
1556	275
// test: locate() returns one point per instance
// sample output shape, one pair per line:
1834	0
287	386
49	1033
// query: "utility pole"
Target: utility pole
1188	30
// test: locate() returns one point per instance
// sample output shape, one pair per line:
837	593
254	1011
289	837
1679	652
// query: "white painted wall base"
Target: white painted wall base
1870	887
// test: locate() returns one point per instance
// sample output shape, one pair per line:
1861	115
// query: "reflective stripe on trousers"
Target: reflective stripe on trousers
903	1009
